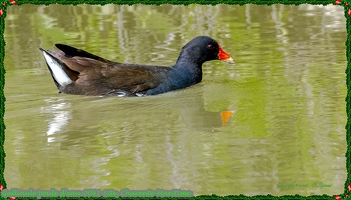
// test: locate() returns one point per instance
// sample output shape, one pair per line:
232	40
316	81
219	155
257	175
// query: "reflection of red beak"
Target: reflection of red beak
226	115
222	55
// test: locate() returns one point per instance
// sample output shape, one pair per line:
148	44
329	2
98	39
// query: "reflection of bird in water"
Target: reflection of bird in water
61	115
226	115
177	111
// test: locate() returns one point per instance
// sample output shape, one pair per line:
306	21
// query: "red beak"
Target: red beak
222	55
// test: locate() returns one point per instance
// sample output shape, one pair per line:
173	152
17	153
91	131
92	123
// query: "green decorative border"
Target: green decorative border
347	10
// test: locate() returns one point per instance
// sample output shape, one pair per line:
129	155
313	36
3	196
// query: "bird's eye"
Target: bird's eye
210	47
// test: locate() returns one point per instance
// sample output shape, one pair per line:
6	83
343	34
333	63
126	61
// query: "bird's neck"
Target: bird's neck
181	75
188	70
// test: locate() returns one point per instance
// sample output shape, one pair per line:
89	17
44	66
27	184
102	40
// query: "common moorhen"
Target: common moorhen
76	71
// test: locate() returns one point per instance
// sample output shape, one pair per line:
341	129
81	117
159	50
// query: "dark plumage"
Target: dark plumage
78	72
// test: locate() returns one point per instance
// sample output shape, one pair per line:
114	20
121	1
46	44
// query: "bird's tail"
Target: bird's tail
57	69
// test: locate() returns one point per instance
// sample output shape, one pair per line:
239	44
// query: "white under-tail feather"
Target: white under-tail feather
56	70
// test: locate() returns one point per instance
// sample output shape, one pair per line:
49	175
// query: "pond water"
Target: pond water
273	119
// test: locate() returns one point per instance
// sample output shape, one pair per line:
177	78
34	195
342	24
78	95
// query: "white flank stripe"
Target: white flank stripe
121	94
59	74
